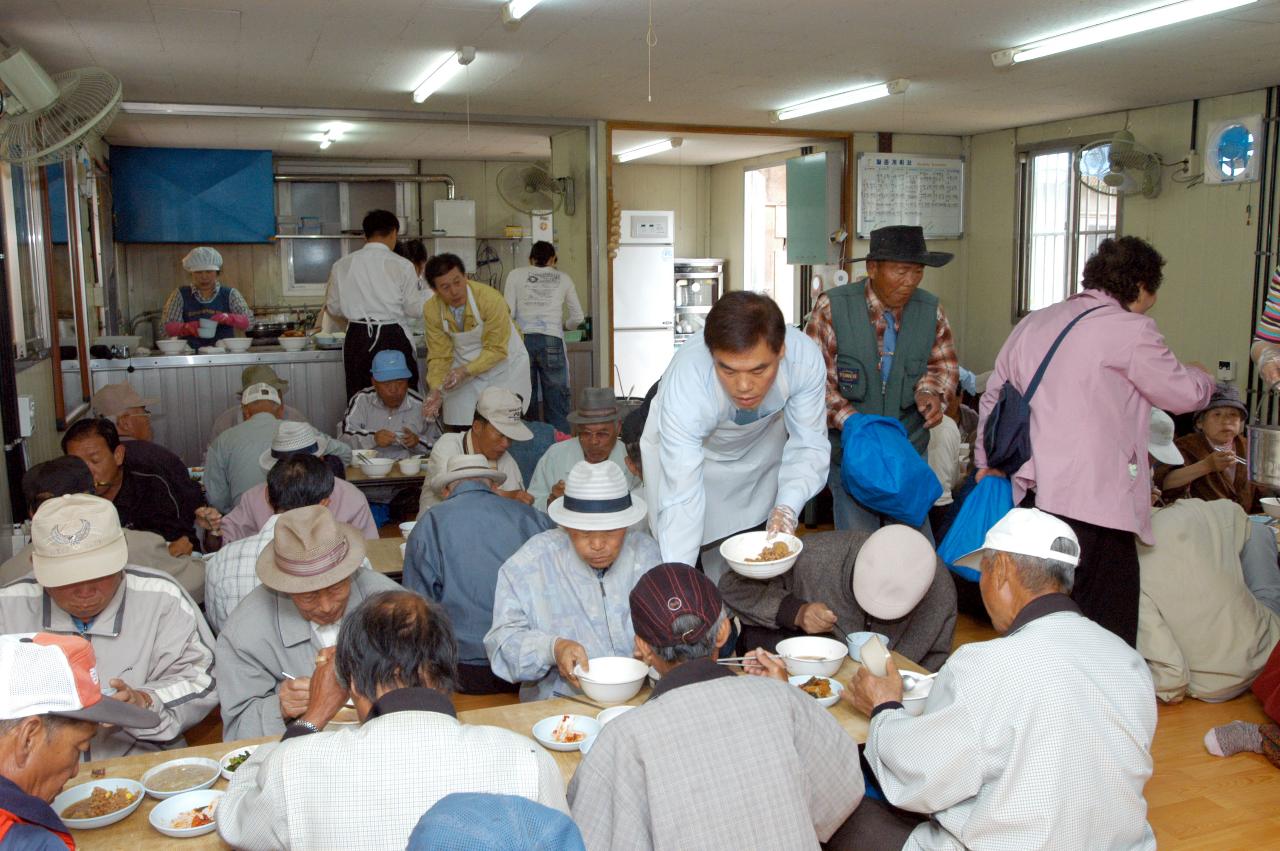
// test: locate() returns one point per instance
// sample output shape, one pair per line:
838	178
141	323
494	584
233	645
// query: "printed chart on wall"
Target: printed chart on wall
908	189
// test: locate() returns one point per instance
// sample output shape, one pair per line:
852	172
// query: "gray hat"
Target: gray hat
596	405
467	467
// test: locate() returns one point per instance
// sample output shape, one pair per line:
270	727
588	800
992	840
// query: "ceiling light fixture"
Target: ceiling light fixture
442	73
822	104
1161	16
332	132
648	150
517	9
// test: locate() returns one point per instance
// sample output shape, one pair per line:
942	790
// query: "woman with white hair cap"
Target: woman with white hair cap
206	311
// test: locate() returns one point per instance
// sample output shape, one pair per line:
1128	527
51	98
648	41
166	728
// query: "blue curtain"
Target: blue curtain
192	195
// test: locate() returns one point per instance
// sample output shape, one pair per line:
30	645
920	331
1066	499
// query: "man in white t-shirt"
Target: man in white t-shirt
538	295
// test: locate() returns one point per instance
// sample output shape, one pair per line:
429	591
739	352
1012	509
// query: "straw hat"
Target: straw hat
311	550
466	467
76	538
293	438
596	498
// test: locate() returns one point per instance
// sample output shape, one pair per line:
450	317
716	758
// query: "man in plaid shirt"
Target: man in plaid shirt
888	349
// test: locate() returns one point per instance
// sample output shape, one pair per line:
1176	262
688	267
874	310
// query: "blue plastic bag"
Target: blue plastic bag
884	472
990	500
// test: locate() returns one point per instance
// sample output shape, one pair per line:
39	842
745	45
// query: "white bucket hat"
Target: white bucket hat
293	438
596	499
894	569
76	538
467	467
1160	439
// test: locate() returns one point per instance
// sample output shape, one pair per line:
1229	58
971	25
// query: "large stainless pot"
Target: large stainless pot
1264	455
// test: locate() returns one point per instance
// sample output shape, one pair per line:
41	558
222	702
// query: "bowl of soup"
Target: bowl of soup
181	775
812	655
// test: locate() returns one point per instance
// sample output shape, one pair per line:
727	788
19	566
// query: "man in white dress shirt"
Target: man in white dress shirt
497	422
597	424
377	292
1038	739
736	436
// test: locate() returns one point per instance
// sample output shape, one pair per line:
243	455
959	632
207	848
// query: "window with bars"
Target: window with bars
1061	223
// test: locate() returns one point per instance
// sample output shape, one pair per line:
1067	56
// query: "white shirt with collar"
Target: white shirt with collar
376	285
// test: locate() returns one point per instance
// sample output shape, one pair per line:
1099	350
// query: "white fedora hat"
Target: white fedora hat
596	499
293	438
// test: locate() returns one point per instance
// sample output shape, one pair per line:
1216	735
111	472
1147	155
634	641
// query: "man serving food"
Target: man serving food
737	434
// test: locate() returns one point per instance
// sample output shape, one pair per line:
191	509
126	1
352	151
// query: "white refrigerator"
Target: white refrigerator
643	300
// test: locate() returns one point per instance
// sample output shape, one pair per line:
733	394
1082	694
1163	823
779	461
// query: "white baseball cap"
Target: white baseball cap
75	538
1160	439
1028	532
260	392
894	569
504	411
45	674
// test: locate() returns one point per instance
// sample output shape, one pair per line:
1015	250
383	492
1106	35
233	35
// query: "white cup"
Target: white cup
411	466
208	328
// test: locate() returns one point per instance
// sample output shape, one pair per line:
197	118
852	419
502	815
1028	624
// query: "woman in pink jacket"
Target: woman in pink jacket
1089	420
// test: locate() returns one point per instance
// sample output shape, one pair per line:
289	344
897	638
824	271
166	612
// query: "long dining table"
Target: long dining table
136	833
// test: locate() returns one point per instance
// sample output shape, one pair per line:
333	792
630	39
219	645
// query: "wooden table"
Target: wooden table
357	477
384	555
136	833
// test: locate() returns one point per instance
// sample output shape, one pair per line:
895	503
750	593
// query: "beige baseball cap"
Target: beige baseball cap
112	400
76	538
504	411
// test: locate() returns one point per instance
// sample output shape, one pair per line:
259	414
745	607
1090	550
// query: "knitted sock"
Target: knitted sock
1230	739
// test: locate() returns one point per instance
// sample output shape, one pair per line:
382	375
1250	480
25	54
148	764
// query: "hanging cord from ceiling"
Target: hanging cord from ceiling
651	41
1185	177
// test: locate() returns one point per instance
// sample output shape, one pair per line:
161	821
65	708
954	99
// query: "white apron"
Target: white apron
739	472
512	373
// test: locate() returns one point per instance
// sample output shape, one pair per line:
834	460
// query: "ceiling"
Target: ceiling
706	148
364	140
715	61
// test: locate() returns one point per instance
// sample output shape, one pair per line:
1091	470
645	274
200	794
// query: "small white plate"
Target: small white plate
84	790
580	724
228	774
166	811
836	688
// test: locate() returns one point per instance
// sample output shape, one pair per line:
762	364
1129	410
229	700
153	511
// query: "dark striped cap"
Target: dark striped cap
670	591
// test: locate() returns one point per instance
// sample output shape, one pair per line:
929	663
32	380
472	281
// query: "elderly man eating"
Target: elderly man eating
152	644
396	654
258	373
387	416
347	502
655	777
597	425
454	554
43	732
231	464
890	582
312	578
1039	739
496	423
562	598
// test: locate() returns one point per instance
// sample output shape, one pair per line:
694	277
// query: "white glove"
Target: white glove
431	405
454	378
783	520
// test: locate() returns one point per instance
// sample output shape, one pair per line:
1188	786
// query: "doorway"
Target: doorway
764	238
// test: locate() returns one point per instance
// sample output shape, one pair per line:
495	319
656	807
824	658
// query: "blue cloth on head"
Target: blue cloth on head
471	821
884	472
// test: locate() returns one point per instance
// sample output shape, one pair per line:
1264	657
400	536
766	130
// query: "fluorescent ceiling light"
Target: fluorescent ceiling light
862	95
1161	16
442	73
517	9
648	150
325	143
332	132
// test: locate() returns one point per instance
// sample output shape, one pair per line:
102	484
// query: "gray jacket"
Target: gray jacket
263	639
824	573
151	635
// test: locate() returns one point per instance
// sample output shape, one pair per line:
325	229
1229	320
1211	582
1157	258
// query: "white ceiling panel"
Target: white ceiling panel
715	62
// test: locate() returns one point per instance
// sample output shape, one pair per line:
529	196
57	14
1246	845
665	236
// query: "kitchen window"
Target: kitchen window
1061	222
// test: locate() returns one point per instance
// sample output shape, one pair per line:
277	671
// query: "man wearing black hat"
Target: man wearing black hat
784	755
888	350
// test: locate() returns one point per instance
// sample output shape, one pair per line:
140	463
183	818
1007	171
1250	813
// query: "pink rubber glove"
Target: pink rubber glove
236	320
182	329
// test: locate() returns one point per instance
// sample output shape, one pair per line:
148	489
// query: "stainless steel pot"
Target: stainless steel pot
1264	455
